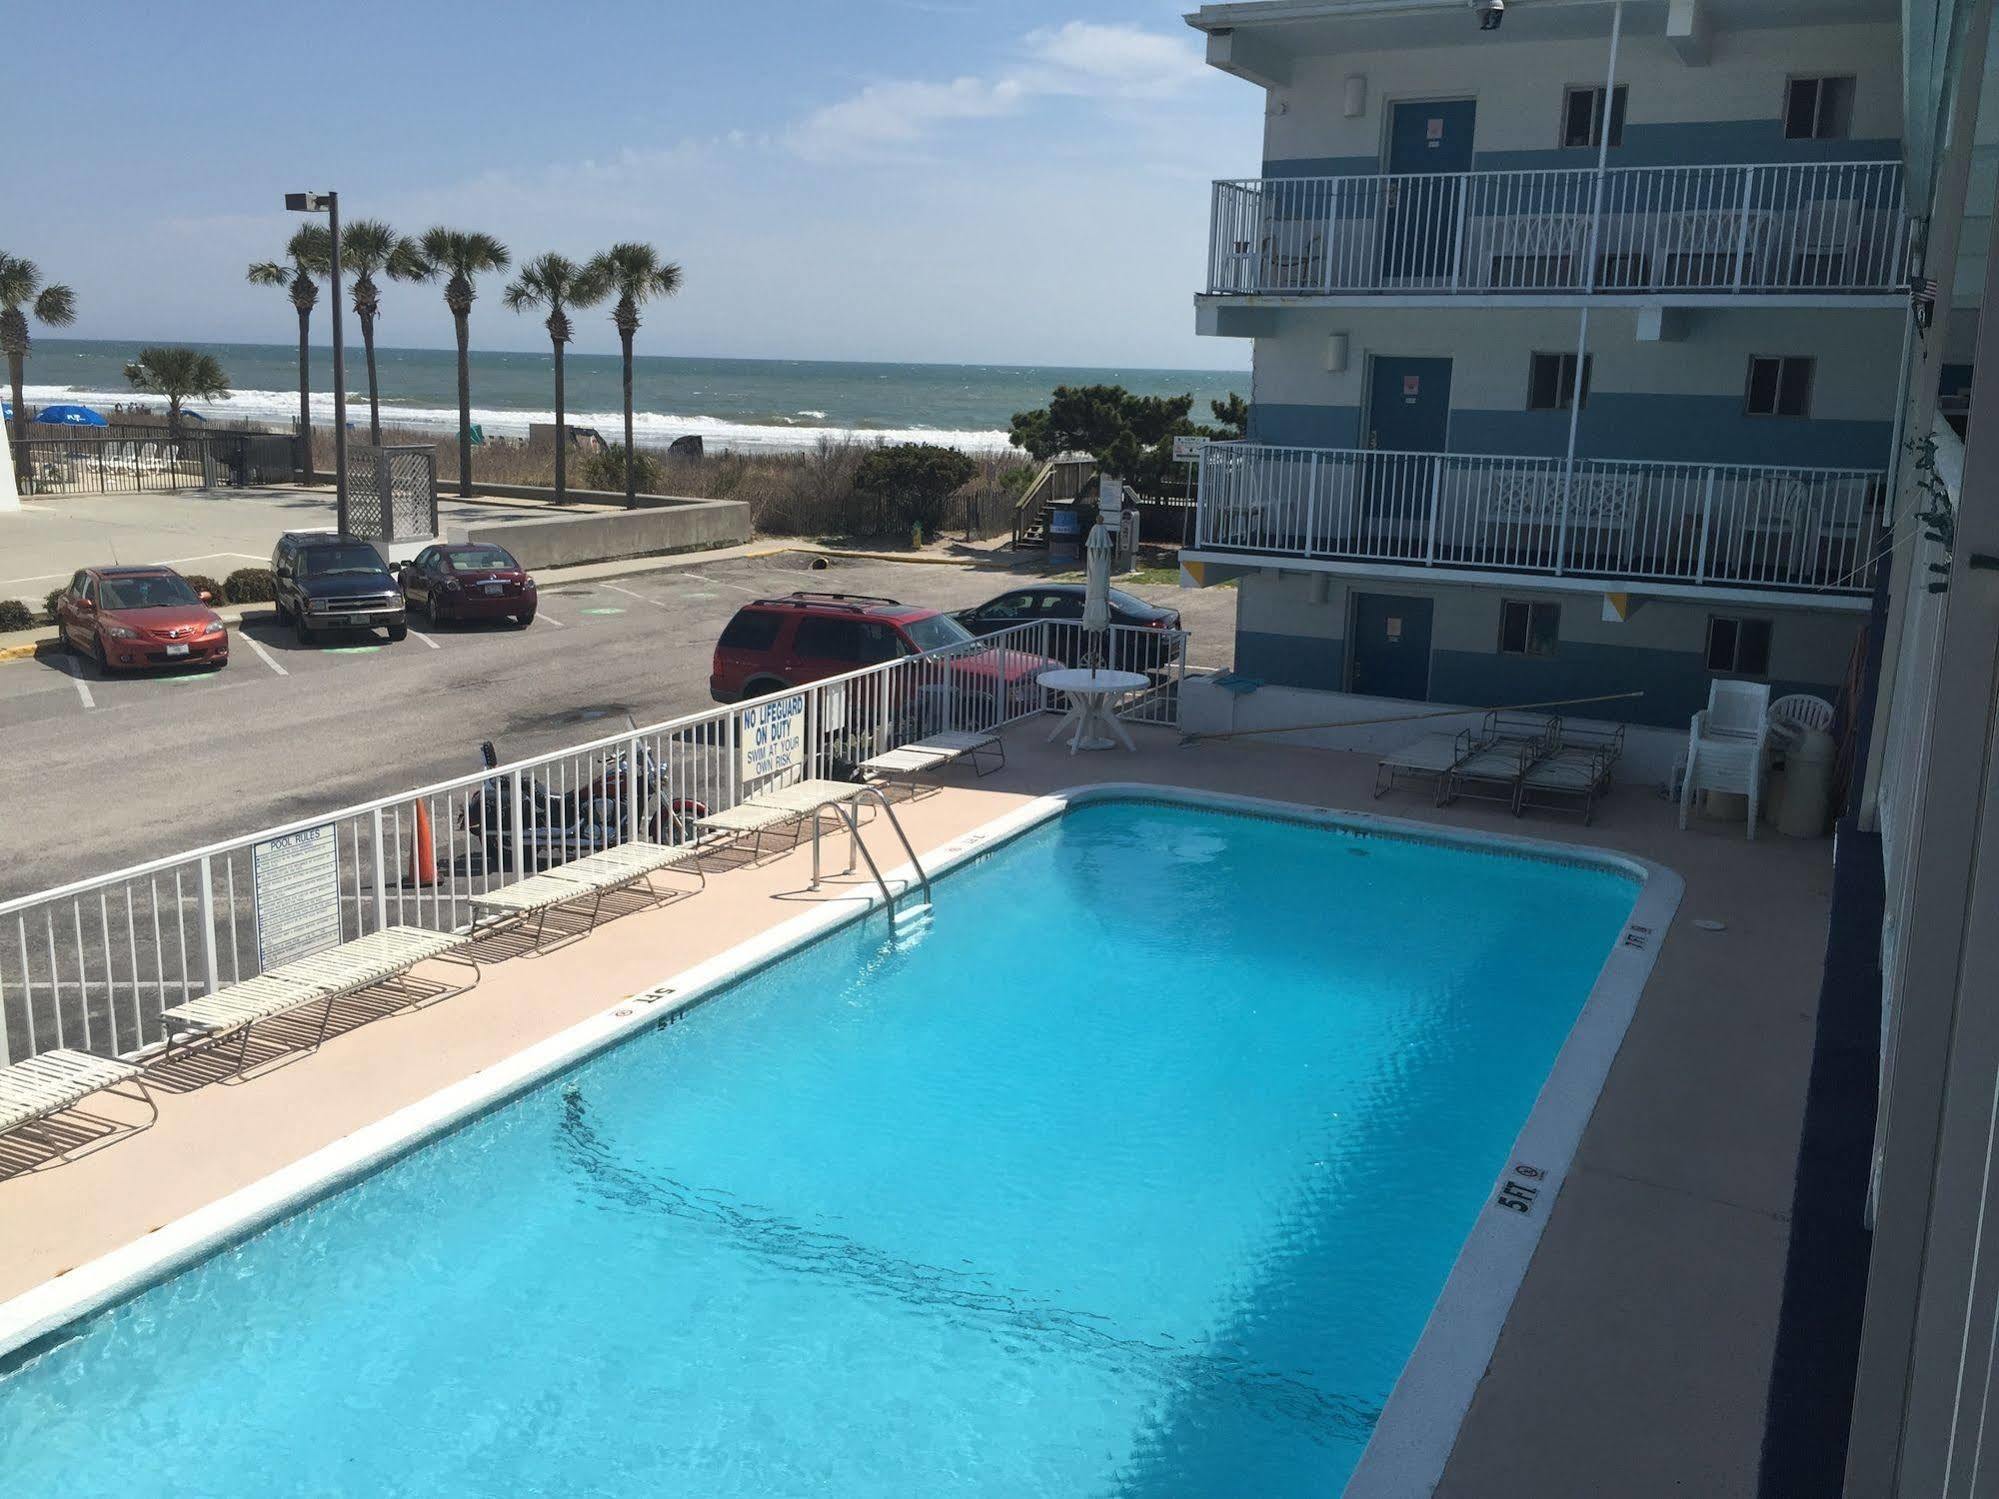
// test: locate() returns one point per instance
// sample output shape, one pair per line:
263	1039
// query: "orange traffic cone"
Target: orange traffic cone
423	852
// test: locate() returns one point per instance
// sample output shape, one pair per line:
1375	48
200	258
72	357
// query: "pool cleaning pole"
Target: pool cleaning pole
1589	280
340	375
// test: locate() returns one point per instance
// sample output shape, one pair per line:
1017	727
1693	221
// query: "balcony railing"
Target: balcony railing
1732	525
1789	229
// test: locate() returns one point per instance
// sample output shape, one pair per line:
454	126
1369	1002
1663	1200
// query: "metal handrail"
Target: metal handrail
854	827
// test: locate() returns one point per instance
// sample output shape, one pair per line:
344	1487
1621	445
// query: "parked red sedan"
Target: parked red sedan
130	617
469	580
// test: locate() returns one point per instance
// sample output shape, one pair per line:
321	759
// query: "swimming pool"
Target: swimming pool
1137	1173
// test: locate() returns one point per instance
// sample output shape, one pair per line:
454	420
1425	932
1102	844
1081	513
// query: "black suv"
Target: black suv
322	580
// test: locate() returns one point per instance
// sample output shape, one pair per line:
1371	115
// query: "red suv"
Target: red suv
773	644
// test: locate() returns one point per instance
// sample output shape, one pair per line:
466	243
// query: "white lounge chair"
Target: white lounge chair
591	878
323	977
1576	769
1426	758
1726	746
48	1084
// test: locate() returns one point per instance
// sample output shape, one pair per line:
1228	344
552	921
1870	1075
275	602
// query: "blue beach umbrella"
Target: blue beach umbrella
70	416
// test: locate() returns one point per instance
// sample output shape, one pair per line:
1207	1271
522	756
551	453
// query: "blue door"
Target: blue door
1420	224
1408	418
1391	646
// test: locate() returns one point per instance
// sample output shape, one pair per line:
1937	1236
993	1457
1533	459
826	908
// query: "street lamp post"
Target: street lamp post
329	204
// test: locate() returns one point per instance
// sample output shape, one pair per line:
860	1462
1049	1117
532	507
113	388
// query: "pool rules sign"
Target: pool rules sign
296	885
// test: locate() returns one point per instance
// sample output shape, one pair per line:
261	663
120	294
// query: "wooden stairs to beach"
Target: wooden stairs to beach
1061	478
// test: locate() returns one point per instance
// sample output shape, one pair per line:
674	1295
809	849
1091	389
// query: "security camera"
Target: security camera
1489	12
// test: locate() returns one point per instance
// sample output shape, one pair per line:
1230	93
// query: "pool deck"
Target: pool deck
1636	1358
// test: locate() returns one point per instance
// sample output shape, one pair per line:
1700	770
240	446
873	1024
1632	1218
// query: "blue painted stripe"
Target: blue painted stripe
1671	429
1291	660
1675	683
1695	143
1304	426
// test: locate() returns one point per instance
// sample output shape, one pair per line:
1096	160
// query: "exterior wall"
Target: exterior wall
1678	401
1291	629
1727	111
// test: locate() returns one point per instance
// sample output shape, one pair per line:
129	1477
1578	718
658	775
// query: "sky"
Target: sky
980	181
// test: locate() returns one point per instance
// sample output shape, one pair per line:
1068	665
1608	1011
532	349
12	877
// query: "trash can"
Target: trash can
1065	533
1807	785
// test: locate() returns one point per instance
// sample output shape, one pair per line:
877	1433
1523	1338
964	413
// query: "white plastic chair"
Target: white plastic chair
1803	711
1726	745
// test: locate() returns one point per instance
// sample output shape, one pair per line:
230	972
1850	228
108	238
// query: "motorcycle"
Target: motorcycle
559	826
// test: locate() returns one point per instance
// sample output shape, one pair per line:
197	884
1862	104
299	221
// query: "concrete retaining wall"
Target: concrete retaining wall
663	524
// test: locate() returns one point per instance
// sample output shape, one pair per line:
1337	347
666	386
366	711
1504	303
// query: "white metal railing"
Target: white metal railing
92	964
1809	529
1795	227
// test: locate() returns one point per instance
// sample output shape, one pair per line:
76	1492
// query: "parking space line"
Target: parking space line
265	656
82	687
721	583
642	598
549	619
418	634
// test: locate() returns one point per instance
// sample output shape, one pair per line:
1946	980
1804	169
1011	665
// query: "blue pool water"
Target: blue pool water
1135	1176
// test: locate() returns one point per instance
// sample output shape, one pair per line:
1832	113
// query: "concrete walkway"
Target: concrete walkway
1637	1354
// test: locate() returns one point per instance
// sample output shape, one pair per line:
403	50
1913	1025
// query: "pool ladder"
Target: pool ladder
851	813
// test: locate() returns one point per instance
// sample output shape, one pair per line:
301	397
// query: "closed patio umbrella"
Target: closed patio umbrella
1097	594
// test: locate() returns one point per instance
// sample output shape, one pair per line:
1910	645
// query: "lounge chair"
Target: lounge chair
1429	758
745	820
971	743
1490	769
322	977
934	753
1575	770
591	878
56	1081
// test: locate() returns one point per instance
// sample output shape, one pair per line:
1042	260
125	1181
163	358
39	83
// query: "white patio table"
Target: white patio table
1093	695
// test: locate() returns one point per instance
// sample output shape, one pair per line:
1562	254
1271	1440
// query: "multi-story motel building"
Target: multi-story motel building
1577	348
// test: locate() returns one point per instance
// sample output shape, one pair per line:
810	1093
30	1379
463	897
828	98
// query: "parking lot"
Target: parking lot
105	772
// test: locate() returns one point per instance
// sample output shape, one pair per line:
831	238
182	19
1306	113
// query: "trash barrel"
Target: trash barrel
1807	785
1065	533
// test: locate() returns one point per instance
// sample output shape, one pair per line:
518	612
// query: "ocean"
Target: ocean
730	403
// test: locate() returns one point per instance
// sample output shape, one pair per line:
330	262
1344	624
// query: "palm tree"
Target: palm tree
368	246
636	274
459	255
22	296
308	253
558	284
178	374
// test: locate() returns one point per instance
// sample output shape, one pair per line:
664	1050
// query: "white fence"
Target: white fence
1804	227
1797	528
91	965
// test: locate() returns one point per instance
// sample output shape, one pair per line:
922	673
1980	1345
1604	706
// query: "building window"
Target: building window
1818	109
1738	646
1528	629
1551	380
1582	116
1779	385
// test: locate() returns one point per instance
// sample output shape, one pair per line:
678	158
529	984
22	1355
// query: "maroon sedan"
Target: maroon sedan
130	617
469	580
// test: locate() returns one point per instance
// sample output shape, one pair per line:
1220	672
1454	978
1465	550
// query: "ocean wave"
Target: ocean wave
650	428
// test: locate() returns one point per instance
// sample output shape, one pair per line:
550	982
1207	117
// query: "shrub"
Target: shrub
202	583
915	480
49	601
605	469
249	585
15	615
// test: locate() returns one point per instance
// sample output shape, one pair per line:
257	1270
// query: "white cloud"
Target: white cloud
1079	59
1126	60
899	114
